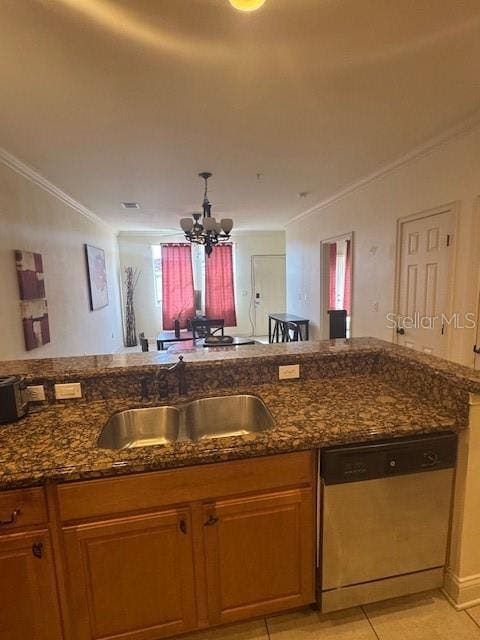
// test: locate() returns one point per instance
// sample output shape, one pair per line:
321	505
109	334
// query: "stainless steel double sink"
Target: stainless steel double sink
218	417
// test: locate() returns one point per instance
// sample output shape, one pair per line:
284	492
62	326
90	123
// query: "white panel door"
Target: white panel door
268	290
425	263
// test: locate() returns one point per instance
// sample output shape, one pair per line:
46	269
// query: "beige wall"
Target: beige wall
34	220
135	250
448	173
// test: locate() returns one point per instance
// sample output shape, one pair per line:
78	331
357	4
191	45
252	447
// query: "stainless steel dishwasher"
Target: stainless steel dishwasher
385	518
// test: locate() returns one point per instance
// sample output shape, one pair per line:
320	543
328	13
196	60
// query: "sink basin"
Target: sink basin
218	417
226	416
141	428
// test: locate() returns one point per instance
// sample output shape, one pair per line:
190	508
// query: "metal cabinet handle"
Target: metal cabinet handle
37	550
401	331
183	526
211	521
13	518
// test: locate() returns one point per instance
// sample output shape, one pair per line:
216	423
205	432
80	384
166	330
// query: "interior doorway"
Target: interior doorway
268	290
336	270
424	280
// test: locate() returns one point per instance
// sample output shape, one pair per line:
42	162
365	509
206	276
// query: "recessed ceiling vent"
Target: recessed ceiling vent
130	205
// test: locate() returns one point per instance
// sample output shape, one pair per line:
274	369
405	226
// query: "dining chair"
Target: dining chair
207	327
291	332
143	341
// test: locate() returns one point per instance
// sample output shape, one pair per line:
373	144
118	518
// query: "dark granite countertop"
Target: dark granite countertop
70	368
59	442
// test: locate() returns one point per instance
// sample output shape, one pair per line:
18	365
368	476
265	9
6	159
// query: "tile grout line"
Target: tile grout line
370	623
266	627
472	618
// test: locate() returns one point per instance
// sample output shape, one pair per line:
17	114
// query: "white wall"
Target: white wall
450	172
34	220
260	243
135	251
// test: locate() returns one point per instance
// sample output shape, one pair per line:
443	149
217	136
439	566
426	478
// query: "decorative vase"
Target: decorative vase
176	327
131	278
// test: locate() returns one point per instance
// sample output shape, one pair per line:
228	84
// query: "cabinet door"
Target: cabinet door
131	577
260	554
28	592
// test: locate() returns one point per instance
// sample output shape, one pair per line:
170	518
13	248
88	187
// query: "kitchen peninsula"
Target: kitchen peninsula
84	514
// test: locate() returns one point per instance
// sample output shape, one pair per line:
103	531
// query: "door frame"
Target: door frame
324	281
252	284
453	208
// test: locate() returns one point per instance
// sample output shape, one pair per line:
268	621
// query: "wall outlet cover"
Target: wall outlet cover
68	391
36	393
289	372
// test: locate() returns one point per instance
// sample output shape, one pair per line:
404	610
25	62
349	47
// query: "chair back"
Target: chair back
207	327
292	332
143	341
338	324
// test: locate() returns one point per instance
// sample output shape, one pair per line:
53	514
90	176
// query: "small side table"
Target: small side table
277	326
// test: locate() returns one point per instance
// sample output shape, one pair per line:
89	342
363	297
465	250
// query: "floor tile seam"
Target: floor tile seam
370	623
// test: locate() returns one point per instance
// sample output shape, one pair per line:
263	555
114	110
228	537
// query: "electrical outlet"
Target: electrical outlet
36	393
289	371
68	391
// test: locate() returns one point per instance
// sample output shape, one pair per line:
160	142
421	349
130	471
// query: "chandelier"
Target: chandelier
208	232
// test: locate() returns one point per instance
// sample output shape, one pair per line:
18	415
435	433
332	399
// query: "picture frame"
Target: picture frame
97	277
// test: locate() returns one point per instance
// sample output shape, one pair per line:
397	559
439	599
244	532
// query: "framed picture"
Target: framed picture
97	277
31	283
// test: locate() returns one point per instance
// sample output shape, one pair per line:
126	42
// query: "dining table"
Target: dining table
199	344
167	337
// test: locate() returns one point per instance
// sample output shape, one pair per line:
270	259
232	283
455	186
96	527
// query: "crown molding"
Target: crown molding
465	127
145	233
172	234
33	176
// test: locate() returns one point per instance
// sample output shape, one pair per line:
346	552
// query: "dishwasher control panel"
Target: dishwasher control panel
381	459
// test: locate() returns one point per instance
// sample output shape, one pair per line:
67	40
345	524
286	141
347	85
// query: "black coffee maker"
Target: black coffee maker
13	398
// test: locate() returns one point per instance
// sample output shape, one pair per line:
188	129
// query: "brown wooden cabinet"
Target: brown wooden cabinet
160	554
132	577
259	554
28	592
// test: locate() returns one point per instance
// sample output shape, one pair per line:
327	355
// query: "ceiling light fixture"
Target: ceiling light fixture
209	232
247	5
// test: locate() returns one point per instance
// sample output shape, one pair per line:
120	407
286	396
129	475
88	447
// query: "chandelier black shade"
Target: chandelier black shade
201	228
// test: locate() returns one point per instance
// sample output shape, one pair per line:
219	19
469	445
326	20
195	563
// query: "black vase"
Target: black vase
176	328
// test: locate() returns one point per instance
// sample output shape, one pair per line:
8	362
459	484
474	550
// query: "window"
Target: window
221	275
178	298
219	285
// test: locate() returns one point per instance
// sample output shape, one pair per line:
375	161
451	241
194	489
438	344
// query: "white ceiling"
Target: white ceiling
130	99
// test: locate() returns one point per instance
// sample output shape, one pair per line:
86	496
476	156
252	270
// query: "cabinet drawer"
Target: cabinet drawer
22	508
94	498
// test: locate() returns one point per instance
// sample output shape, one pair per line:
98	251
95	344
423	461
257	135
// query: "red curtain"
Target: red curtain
332	292
178	300
347	290
220	293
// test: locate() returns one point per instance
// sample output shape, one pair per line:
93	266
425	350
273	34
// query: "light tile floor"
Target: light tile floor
425	616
